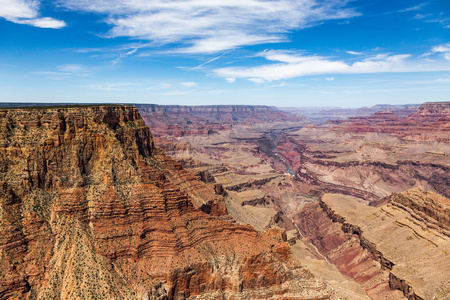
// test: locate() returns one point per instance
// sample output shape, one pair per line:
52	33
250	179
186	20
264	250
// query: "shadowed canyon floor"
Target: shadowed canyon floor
276	176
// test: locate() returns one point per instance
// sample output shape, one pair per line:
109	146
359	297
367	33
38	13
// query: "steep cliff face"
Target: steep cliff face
178	121
402	244
90	209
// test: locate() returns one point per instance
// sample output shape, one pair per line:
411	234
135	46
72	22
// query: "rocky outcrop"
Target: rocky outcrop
341	245
387	233
429	207
90	209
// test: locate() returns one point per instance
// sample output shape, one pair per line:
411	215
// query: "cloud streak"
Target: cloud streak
445	49
201	26
290	65
27	12
208	61
66	71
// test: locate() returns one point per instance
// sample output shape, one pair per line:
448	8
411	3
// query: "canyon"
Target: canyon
283	175
91	209
224	202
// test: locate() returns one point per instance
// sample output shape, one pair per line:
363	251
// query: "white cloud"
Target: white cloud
445	49
329	78
111	87
283	84
290	65
209	61
189	84
256	80
441	48
204	26
70	68
15	9
27	12
230	80
354	53
66	71
422	16
42	22
413	8
124	55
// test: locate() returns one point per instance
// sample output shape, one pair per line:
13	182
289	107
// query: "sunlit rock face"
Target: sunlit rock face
91	209
384	171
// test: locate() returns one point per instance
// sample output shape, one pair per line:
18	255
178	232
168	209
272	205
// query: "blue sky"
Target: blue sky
270	52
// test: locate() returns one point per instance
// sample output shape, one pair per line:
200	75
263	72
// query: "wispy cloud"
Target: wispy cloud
429	16
112	87
209	61
124	55
290	65
70	68
189	84
66	71
27	12
282	84
445	49
413	8
422	16
200	26
441	48
354	53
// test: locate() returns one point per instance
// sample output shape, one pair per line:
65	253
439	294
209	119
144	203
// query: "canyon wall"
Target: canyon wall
178	120
431	121
394	241
276	177
91	209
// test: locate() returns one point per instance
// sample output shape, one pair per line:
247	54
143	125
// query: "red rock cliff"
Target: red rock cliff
178	120
90	210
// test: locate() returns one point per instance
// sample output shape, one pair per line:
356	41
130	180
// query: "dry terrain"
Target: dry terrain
277	176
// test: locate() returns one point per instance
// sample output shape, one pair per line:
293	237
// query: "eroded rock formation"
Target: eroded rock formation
392	241
275	177
430	122
178	120
90	209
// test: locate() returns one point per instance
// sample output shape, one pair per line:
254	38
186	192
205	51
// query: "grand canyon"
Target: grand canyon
224	202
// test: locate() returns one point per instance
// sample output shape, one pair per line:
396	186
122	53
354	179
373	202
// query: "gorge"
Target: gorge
223	202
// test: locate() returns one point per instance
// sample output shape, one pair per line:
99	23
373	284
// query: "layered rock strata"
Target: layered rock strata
411	256
90	209
430	122
175	120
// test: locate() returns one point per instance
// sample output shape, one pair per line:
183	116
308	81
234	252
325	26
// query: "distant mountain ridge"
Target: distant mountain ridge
319	115
431	121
